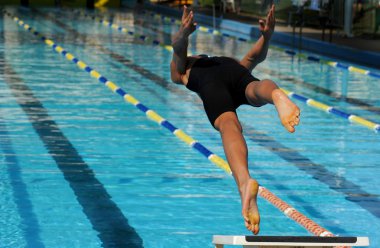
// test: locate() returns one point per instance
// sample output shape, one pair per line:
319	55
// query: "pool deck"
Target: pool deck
360	50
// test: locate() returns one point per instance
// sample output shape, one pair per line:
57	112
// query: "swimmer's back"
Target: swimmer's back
219	70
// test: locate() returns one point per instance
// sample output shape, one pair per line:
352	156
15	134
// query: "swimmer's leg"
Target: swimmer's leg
236	152
259	93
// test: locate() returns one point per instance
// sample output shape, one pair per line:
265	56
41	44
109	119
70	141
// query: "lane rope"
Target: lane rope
310	102
288	210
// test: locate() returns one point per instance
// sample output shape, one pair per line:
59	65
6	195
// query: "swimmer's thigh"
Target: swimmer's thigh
216	101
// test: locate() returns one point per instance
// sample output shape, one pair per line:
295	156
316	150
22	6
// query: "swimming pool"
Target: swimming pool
80	168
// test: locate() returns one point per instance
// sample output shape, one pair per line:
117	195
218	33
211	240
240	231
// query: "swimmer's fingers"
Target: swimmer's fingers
190	18
268	19
262	25
268	16
185	13
189	21
267	26
271	19
188	25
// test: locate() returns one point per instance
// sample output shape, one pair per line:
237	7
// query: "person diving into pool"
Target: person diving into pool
223	84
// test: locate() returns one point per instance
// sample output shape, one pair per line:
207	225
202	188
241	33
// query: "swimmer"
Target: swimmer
224	84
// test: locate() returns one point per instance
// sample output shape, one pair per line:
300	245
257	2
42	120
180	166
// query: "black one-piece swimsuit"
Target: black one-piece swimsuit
221	84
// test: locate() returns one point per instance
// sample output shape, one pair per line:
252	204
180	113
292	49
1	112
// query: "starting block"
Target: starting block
288	241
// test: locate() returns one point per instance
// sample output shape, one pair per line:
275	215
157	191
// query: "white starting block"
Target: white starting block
288	241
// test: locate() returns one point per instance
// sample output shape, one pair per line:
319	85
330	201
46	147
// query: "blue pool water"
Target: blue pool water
82	168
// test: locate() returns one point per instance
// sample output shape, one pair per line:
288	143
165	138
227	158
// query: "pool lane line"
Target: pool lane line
28	223
289	52
291	212
106	218
310	102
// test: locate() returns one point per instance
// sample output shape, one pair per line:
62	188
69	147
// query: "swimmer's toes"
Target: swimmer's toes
297	120
290	128
256	229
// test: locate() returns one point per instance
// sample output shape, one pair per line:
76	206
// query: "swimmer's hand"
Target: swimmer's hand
188	25
267	26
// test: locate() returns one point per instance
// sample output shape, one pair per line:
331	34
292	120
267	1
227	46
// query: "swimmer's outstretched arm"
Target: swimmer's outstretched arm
259	50
180	43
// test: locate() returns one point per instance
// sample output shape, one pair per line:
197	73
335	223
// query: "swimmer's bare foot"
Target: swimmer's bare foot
287	111
250	210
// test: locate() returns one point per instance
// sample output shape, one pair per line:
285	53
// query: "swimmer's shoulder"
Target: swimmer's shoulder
192	59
